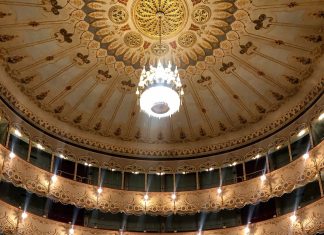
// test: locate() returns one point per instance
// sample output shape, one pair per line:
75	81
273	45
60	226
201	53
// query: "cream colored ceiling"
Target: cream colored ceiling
248	67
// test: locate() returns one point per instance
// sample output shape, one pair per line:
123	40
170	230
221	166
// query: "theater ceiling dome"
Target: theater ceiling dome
248	68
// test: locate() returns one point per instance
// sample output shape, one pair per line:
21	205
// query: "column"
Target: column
123	180
29	150
289	150
8	137
174	183
244	171
99	176
197	181
309	127
52	163
320	183
75	171
267	163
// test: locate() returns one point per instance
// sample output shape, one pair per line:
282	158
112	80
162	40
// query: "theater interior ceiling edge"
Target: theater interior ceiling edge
248	68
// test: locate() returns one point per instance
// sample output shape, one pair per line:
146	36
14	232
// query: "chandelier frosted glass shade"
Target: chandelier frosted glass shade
160	91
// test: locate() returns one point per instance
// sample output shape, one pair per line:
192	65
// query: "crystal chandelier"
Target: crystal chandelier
159	89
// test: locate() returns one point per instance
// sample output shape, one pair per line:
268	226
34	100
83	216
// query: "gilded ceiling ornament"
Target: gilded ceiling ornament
187	39
15	59
64	36
133	39
145	17
314	38
103	75
6	37
201	14
118	14
160	49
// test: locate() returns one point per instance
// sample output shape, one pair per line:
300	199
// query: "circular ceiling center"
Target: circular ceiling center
147	15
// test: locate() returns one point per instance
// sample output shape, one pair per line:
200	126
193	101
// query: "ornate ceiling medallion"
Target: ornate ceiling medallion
175	16
118	14
133	39
201	14
187	39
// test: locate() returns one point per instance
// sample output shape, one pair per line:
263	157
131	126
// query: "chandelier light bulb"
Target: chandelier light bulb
321	117
146	197
174	196
246	230
219	190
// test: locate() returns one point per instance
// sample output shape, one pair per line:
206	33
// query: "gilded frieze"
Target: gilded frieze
309	220
276	183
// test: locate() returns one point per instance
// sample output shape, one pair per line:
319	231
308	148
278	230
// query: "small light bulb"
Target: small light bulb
321	117
183	172
219	190
99	190
234	163
246	230
61	156
263	177
71	231
11	155
211	169
39	146
301	133
278	147
257	156
306	156
17	133
54	178
174	196
146	197
24	215
293	218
